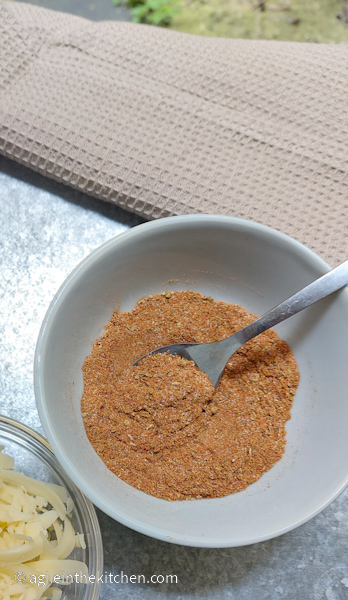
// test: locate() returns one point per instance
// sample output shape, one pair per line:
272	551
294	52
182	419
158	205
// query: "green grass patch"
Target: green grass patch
293	20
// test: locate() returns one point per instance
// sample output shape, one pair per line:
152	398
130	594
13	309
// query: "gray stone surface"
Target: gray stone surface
45	230
99	10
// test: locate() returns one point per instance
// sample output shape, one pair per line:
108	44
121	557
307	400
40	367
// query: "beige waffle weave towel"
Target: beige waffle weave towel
164	123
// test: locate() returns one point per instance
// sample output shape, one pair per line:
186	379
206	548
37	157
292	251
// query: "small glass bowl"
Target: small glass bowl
33	457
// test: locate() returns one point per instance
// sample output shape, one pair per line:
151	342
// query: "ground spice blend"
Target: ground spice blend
161	426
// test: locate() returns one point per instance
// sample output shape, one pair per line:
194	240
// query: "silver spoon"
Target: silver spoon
212	358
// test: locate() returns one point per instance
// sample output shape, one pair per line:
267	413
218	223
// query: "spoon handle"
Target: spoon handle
319	289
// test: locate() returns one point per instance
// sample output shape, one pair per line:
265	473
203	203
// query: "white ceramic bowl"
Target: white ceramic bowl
233	260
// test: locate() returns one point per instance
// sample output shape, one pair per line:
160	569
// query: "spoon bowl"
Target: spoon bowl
212	358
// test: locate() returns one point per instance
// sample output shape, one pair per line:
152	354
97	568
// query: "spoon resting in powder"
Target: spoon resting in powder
212	357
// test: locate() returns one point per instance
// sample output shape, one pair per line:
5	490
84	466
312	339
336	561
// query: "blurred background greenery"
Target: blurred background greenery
316	21
297	20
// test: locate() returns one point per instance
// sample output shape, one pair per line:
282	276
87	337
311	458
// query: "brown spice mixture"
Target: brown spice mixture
160	426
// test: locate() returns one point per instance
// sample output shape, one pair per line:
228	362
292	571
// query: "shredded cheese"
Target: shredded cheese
36	537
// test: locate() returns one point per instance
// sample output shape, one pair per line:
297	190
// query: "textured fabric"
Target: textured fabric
165	123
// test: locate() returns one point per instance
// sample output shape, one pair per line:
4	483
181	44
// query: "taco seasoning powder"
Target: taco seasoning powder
161	426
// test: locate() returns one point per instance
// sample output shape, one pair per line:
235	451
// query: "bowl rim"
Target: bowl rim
83	501
152	226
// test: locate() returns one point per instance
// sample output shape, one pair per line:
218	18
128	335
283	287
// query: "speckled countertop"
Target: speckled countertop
46	230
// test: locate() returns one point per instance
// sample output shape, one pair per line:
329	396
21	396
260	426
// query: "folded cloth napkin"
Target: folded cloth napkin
164	123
